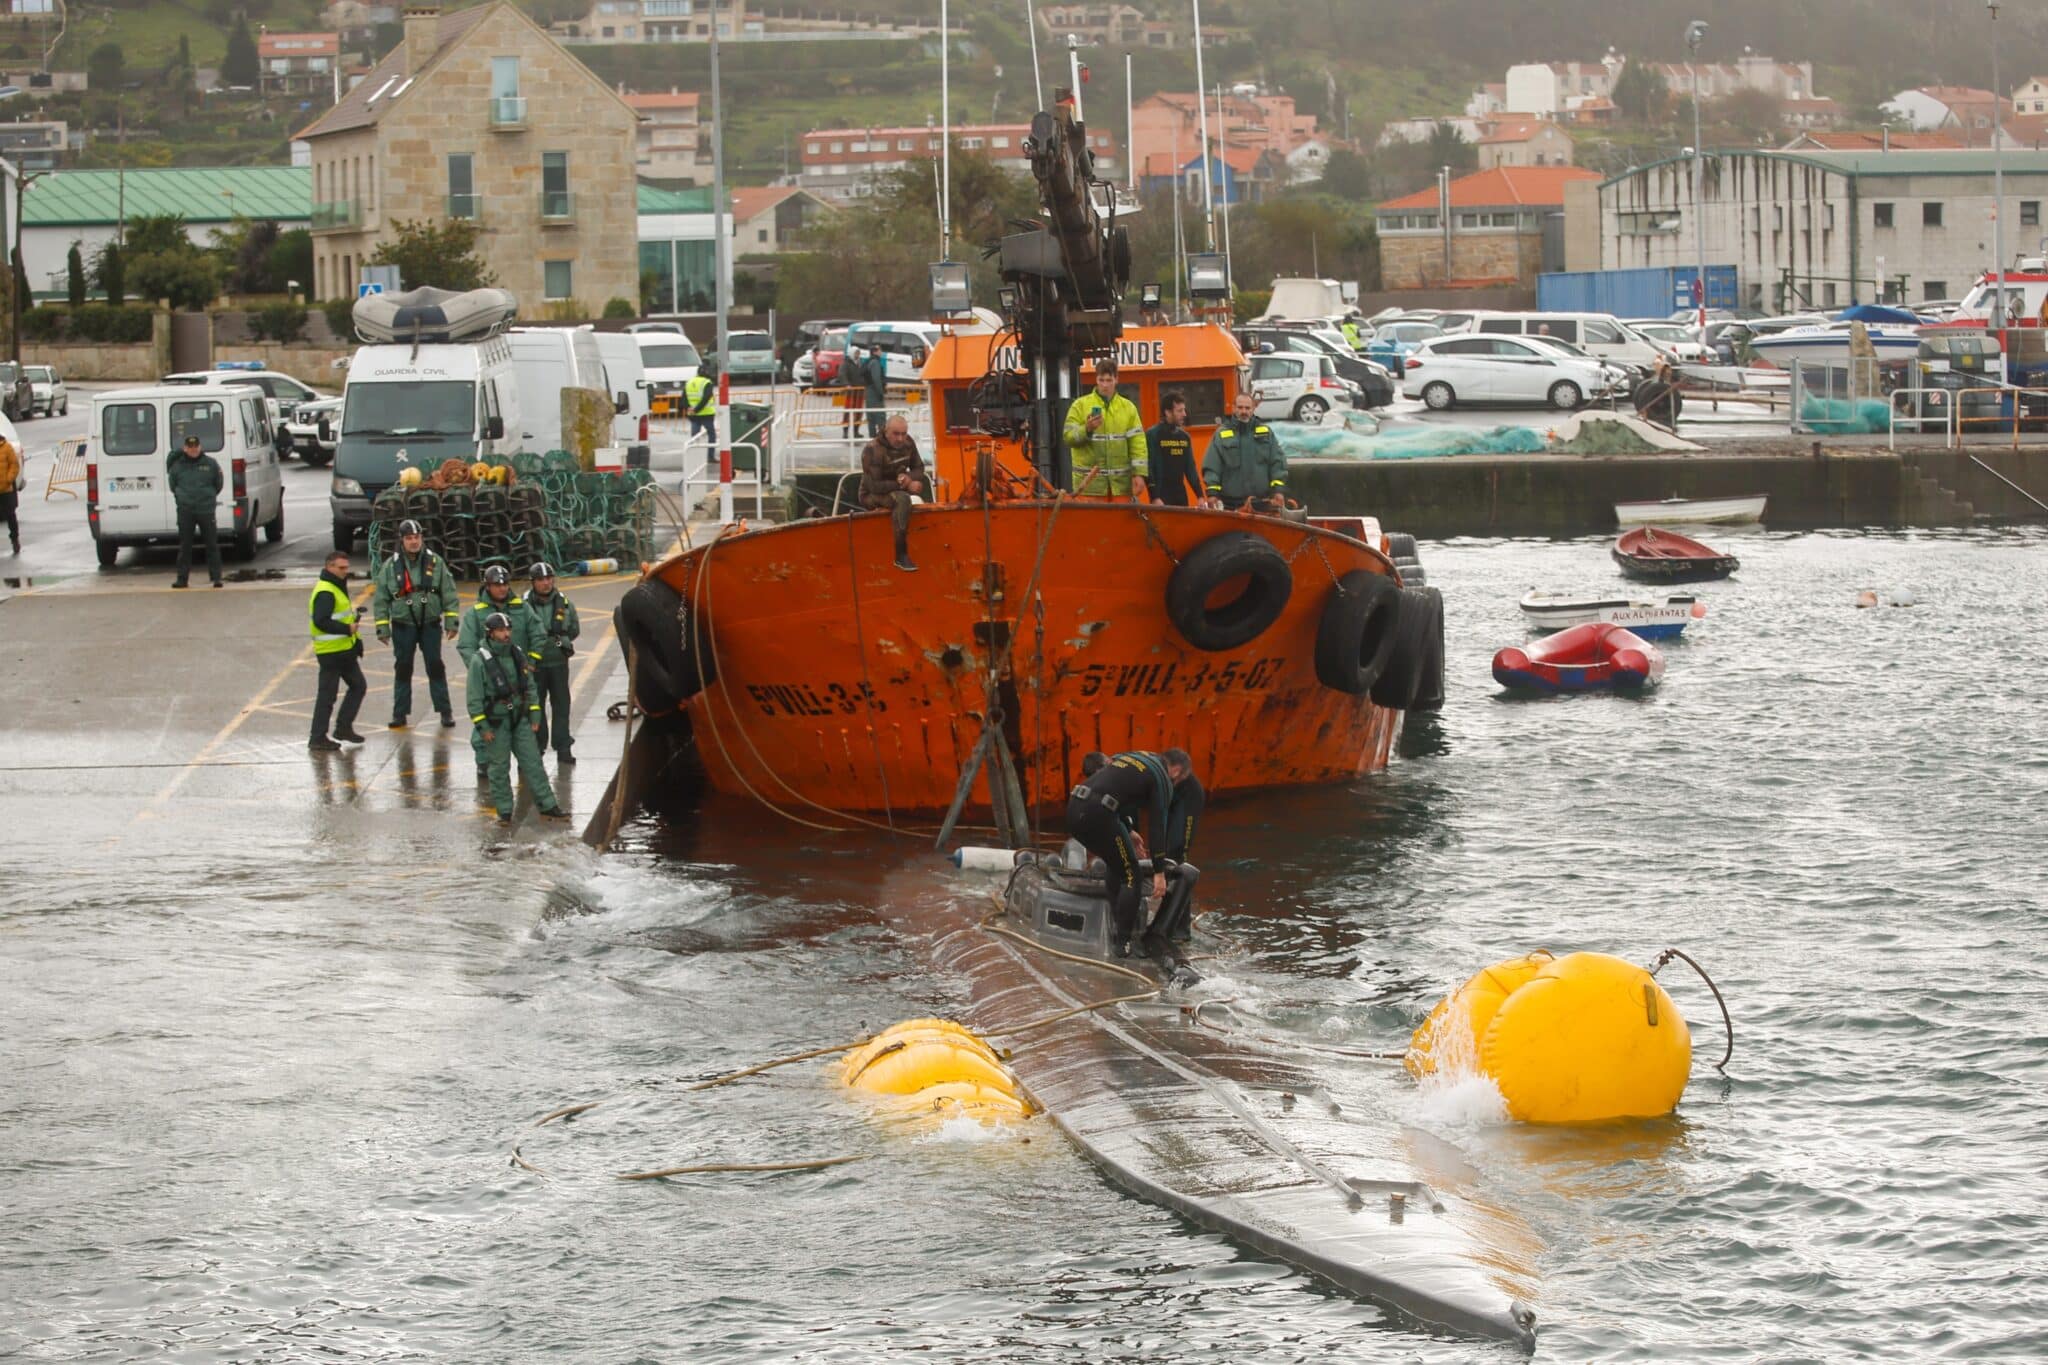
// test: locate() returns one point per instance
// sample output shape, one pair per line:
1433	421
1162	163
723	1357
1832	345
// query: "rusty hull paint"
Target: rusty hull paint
846	685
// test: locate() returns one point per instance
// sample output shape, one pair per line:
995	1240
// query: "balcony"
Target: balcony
508	113
470	206
557	208
337	215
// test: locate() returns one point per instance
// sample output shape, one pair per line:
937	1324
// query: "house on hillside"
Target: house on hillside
840	164
1968	112
1512	141
2032	97
298	63
662	21
1878	140
1719	80
1412	130
674	144
1505	226
771	218
1548	89
480	115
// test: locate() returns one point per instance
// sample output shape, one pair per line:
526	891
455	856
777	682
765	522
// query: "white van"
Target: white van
135	432
1305	300
417	406
670	361
1598	334
905	345
546	361
624	373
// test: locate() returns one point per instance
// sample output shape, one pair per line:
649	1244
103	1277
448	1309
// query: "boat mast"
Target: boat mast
1202	113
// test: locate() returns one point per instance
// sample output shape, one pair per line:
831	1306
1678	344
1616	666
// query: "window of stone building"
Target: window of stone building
1881	215
554	186
554	280
462	200
1934	289
504	78
1930	214
2030	213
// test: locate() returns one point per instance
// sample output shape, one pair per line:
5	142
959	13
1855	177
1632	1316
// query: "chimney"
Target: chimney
422	34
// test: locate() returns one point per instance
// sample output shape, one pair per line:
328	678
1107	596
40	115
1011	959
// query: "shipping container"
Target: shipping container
1651	292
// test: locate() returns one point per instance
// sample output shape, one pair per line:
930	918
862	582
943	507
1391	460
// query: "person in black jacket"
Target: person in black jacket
338	649
1103	815
1175	479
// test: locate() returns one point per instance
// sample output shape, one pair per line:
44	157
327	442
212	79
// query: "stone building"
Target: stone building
1505	226
1819	229
481	115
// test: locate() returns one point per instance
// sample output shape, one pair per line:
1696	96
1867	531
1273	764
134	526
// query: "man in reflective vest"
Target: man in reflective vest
700	405
1351	337
551	631
505	711
336	648
414	608
1107	440
1245	467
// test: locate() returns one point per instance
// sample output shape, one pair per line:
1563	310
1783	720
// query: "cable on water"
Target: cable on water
816	1164
1663	959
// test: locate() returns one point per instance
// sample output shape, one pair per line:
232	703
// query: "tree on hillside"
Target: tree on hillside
441	255
157	232
1640	93
109	273
239	67
871	259
103	67
1347	175
1754	113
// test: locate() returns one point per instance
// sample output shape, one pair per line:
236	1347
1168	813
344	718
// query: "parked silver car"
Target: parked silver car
46	387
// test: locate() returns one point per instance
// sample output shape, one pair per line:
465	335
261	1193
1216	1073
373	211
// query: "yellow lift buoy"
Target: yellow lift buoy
1573	1039
939	1061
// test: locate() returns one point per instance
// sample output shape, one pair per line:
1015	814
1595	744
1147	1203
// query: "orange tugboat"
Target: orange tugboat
818	679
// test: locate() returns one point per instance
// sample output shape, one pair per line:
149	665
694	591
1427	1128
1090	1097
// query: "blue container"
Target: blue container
1650	292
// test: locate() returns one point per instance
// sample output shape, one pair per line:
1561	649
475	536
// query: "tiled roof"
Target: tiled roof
751	200
673	100
1901	140
1514	130
1501	187
298	45
388	78
210	195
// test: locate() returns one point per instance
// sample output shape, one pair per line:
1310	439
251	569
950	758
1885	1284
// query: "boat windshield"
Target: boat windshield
403	408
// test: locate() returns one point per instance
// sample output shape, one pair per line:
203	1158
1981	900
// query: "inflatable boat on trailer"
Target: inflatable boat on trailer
1230	1134
433	316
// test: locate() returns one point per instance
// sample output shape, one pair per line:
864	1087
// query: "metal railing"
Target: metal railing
508	111
465	205
557	206
67	469
1920	419
337	213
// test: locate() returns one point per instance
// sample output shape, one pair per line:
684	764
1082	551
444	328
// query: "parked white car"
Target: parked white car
282	394
1474	369
47	388
311	428
1681	340
1295	387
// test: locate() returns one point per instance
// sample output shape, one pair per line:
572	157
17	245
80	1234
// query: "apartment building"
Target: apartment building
298	63
481	115
844	163
675	140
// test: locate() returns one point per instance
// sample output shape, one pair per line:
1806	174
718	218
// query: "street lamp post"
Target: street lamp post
1997	181
1694	32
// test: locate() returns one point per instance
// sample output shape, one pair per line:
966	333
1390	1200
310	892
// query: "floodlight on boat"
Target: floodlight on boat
1208	276
950	291
1148	296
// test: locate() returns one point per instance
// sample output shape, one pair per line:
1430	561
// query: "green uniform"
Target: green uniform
551	628
471	638
1244	462
1117	447
413	606
502	701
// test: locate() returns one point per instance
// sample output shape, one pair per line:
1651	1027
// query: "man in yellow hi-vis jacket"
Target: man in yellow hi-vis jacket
1107	439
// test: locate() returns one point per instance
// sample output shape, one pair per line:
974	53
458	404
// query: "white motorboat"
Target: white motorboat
1652	620
1742	510
1894	335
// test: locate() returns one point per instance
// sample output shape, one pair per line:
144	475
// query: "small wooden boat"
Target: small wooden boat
1656	555
1664	620
1592	658
1744	510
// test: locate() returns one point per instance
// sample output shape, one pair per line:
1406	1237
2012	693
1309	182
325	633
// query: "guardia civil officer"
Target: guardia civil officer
1103	814
551	631
1245	467
414	608
506	712
336	648
497	596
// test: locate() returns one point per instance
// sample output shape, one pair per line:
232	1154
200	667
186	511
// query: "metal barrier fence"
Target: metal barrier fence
67	469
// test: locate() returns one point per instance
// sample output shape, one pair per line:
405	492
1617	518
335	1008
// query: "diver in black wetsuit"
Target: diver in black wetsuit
1103	815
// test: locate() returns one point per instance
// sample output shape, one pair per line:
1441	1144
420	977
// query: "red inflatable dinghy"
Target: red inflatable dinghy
1596	657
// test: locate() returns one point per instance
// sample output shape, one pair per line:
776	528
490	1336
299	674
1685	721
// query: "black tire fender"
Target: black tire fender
1401	545
668	669
1401	680
1429	685
1357	631
1211	565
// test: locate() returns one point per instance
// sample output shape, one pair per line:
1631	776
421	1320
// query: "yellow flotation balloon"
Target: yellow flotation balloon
937	1060
1575	1039
965	1097
408	477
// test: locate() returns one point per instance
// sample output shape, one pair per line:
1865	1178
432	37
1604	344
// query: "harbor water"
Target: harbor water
265	1078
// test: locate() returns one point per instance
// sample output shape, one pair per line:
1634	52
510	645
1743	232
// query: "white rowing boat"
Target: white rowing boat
1737	511
1652	620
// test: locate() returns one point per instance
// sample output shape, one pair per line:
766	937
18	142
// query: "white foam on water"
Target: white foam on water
1460	1099
966	1128
617	894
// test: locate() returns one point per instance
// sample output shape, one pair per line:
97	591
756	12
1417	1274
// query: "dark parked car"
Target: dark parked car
1374	385
17	395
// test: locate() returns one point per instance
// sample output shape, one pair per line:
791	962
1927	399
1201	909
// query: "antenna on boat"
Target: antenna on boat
1202	114
721	286
945	136
1031	30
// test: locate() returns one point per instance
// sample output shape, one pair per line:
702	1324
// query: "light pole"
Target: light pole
1694	32
1997	181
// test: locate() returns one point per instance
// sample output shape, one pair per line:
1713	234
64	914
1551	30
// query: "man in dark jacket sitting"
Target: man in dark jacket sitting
891	473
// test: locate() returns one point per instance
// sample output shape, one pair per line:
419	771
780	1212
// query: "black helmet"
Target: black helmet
543	569
497	620
409	528
497	573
